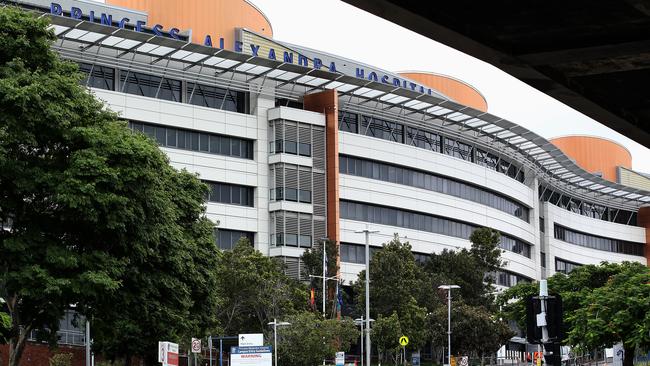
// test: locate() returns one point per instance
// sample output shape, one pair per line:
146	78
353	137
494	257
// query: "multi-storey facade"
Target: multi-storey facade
298	145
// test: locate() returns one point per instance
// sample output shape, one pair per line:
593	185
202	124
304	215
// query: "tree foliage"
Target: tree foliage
312	260
310	339
386	331
254	290
618	311
93	214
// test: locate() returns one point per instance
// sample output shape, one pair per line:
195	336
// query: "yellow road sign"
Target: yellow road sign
403	340
453	360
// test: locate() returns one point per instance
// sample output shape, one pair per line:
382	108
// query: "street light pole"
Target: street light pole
368	346
448	288
275	325
324	275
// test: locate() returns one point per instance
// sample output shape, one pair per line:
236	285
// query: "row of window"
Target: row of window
586	208
232	194
356	253
597	242
227	239
508	279
415	178
423	222
293	240
158	87
290	147
291	194
210	143
564	266
396	132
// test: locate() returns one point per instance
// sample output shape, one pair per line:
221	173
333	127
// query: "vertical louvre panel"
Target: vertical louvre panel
290	131
279	130
291	223
306	225
318	147
304	176
292	267
319	194
279	222
304	133
291	176
279	175
319	228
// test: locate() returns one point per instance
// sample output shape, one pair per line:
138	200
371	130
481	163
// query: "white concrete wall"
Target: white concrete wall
213	167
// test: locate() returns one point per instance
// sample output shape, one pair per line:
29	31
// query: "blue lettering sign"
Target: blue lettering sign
384	79
106	19
174	33
254	49
207	41
221	41
91	16
302	61
238	45
139	24
75	13
123	22
56	9
360	73
372	76
157	29
396	82
288	57
413	85
318	63
332	67
271	54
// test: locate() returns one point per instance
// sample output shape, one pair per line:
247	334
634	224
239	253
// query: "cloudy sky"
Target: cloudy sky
341	29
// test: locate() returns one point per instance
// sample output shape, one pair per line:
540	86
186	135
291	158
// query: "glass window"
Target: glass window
305	241
227	239
304	149
291	194
195	141
348	122
304	196
215	97
98	76
151	86
597	242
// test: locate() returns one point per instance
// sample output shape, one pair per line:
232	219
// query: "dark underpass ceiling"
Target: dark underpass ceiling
591	55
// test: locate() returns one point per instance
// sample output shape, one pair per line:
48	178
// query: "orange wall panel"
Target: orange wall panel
595	154
454	89
327	102
218	18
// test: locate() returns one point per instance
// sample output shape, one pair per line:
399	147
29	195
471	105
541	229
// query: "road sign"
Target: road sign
340	358
196	345
415	358
251	356
168	353
403	340
251	340
453	360
464	361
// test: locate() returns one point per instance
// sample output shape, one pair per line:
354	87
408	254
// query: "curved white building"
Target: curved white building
299	145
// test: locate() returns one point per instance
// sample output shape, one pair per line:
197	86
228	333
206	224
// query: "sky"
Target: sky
341	29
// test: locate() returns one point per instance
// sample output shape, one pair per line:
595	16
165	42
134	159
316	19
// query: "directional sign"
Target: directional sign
403	340
251	340
168	353
340	358
251	356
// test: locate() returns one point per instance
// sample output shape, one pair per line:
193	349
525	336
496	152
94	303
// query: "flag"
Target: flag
312	299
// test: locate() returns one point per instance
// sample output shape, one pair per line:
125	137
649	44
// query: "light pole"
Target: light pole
359	322
368	347
275	325
448	288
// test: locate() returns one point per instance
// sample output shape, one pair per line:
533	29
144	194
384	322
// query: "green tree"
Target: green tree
468	267
386	331
310	339
398	286
619	311
475	330
312	260
254	289
93	214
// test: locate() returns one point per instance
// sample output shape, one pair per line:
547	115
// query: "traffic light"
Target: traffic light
554	322
552	355
533	332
